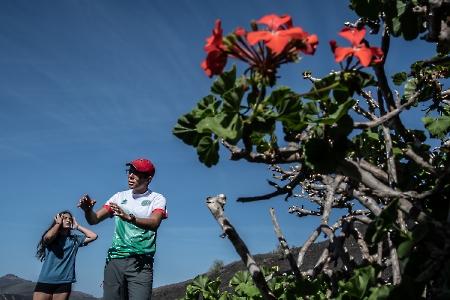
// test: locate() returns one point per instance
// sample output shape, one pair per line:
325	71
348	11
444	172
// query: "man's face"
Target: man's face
138	181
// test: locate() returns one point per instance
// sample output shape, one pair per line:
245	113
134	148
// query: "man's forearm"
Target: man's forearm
91	217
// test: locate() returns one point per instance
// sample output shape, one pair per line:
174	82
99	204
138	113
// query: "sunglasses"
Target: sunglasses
137	173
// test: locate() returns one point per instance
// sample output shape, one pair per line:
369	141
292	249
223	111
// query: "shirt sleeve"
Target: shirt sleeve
80	240
113	199
160	206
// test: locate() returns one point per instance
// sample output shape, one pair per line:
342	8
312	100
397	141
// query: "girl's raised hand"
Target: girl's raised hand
58	219
74	223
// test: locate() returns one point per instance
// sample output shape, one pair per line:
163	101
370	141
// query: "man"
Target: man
139	211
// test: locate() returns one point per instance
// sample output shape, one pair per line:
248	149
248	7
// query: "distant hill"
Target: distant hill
16	288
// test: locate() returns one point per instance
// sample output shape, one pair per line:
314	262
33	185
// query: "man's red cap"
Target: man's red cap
143	165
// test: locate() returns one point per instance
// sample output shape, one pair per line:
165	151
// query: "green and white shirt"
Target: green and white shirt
128	239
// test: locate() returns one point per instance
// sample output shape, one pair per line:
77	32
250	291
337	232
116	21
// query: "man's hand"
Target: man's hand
86	203
119	212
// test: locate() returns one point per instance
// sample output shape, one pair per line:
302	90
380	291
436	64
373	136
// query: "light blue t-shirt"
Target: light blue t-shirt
59	263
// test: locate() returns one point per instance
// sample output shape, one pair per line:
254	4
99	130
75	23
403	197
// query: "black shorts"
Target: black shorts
53	288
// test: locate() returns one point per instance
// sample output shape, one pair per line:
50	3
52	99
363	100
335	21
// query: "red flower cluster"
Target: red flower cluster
216	59
264	50
366	55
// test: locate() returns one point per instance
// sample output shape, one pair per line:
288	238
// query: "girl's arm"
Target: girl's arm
50	235
90	235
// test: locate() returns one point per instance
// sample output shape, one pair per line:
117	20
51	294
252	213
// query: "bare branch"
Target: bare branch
396	275
360	240
285	246
422	163
338	247
287	189
306	245
391	115
282	155
215	205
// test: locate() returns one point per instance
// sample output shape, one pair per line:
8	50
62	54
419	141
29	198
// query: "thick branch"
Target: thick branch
422	163
215	205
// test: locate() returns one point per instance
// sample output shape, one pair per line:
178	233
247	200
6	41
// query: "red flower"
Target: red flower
215	41
214	63
240	31
277	37
358	49
311	44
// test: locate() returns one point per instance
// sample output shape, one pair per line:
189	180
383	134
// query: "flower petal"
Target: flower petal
215	41
364	55
341	53
277	42
353	35
311	44
215	63
274	22
296	33
256	36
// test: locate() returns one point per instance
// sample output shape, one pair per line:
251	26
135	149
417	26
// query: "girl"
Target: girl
58	248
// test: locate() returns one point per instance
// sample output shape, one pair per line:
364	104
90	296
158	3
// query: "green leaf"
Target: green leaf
208	151
366	79
404	248
334	117
410	87
304	287
227	126
402	20
261	144
322	85
399	78
420	231
248	290
287	108
321	157
224	82
277	96
437	127
240	277
343	129
381	292
341	96
378	228
186	130
370	9
232	100
359	285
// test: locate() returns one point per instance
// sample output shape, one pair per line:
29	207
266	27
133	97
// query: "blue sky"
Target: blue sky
86	86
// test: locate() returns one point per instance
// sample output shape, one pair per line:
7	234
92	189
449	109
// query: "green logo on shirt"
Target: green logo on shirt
146	203
124	201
